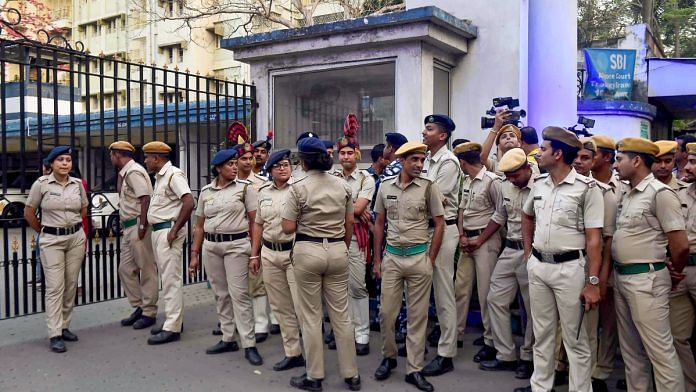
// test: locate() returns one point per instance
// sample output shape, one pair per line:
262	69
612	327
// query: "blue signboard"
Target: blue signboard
609	74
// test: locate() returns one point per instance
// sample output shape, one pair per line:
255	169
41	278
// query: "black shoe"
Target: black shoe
496	365
479	341
331	345
460	344
438	366
524	389
302	382
130	320
524	370
486	353
69	336
144	322
275	329
621	384
400	338
384	370
57	344
156	329
163	337
252	355
599	385
416	379
362	349
217	331
353	383
561	378
329	338
222	347
434	336
261	337
289	363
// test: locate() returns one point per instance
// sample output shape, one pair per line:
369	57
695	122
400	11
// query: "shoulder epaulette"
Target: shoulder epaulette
42	179
296	180
590	182
244	181
541	176
423	179
206	187
265	185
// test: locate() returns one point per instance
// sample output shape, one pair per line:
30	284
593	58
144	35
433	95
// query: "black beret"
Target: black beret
441	119
305	135
262	143
276	157
223	156
311	145
58	150
395	139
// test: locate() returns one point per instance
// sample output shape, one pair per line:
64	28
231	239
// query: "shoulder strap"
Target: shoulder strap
244	192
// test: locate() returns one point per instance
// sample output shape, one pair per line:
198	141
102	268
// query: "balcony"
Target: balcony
96	10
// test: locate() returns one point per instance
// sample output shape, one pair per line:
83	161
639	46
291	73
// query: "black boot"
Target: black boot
275	329
222	347
163	337
302	382
416	379
384	370
144	322
353	383
362	349
69	336
524	370
434	336
496	365
599	385
57	345
252	355
438	366
289	363
130	320
486	353
261	337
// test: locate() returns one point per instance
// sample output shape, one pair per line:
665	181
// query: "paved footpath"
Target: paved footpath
109	357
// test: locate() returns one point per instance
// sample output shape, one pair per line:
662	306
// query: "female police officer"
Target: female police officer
63	203
278	273
320	208
225	209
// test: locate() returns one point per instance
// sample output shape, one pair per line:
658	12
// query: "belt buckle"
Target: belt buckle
547	257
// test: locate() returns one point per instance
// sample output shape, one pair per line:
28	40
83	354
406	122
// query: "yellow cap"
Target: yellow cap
466	147
602	141
508	128
156	148
588	144
637	144
691	148
561	135
512	160
666	147
122	145
411	147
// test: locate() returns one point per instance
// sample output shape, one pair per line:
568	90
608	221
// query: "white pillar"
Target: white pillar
552	90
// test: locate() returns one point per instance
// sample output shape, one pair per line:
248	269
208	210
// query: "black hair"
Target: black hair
470	157
529	135
317	161
608	151
457	142
124	153
646	158
377	152
569	153
686	139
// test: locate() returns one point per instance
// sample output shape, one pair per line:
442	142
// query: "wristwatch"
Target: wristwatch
593	280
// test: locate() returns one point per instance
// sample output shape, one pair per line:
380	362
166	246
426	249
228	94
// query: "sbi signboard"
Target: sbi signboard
609	74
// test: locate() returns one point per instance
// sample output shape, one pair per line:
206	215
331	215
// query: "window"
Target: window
441	89
181	54
320	101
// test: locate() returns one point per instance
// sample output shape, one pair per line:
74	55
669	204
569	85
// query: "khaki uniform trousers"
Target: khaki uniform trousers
321	270
259	299
554	294
464	284
510	273
138	271
483	259
61	256
681	314
642	308
416	272
358	299
279	275
443	286
227	266
168	258
603	336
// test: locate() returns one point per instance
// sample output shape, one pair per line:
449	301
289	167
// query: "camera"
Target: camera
500	102
587	123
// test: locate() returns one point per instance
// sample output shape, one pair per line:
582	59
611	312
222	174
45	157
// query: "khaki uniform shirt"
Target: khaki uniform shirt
170	186
513	200
562	212
482	200
644	215
443	169
225	209
135	184
407	209
676	185
687	197
60	204
362	184
610	203
319	203
272	201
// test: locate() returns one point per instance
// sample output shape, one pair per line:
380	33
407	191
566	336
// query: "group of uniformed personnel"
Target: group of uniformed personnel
601	261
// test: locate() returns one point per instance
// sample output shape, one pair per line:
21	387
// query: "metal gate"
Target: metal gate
51	94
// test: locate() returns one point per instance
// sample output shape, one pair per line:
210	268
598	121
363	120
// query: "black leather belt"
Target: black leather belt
448	222
224	237
309	238
557	257
62	230
473	233
514	244
277	246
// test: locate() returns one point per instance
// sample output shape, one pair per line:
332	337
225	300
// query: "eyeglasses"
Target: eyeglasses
283	165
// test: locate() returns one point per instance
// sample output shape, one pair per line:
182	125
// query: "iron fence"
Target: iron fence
51	95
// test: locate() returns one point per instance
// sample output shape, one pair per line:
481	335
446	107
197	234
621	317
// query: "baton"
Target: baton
582	316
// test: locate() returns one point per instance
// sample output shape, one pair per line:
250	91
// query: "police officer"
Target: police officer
262	149
362	187
510	272
137	269
479	238
442	167
663	167
225	209
649	220
405	202
682	303
320	210
394	140
170	208
561	230
278	271
63	204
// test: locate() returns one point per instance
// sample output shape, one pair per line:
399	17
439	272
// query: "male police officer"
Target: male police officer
663	167
561	229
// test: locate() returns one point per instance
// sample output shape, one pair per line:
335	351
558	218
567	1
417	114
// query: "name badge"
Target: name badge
55	194
537	197
391	197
